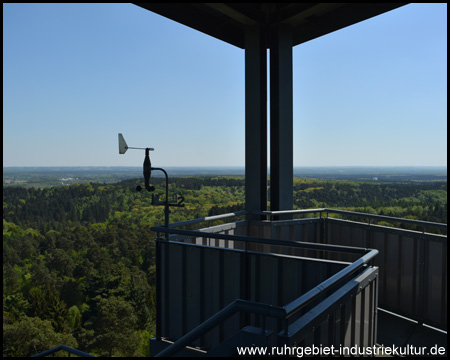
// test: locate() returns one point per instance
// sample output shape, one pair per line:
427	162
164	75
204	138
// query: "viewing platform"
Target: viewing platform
330	278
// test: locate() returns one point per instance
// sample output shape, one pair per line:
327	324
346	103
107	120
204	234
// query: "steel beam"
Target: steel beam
255	120
281	120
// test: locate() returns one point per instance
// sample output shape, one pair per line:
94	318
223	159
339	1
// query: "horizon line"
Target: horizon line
228	166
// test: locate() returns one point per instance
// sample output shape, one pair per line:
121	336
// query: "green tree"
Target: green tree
46	304
30	336
114	326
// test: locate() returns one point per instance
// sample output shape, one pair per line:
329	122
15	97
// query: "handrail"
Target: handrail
250	239
222	315
308	211
389	218
351	213
208	218
64	348
297	304
287	212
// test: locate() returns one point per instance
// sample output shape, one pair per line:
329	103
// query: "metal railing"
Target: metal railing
320	211
286	313
413	263
370	217
255	240
208	219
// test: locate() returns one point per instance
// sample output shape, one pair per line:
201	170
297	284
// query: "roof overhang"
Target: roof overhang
228	21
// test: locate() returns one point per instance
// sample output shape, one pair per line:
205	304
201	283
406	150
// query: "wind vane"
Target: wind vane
177	200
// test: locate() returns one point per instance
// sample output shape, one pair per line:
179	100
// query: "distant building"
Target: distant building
374	178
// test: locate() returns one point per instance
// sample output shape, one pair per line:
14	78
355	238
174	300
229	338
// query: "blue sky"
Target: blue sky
75	75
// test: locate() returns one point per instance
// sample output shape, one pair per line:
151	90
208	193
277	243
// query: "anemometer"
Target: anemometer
177	201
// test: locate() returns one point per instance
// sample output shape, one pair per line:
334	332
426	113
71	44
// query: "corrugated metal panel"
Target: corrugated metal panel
413	267
433	281
343	319
232	288
413	273
346	329
379	243
391	271
199	281
174	292
406	273
194	287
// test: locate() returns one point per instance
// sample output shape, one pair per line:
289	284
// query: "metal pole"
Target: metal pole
166	202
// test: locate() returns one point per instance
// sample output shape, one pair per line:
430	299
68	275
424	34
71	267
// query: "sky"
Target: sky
76	75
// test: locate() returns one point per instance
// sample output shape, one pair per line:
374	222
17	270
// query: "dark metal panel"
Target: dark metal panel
358	237
322	332
269	278
345	308
285	234
233	276
194	280
337	327
345	235
298	236
269	283
308	339
216	291
306	236
208	278
444	284
372	313
267	230
298	233
365	314
413	269
421	260
406	273
175	295
254	280
223	282
163	303
336	238
379	243
290	281
433	282
347	323
357	319
391	271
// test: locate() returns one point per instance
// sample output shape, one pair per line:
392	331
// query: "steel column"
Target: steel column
255	120
281	120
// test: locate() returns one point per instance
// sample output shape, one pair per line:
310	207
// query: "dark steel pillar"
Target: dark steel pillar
255	120
281	120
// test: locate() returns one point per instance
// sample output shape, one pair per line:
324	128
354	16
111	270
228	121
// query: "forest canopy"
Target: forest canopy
79	260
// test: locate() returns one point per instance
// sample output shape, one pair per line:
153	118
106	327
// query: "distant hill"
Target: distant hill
66	175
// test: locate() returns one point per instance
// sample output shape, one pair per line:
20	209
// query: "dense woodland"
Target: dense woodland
79	260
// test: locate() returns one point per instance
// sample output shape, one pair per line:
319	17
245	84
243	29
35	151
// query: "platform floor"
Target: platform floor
405	335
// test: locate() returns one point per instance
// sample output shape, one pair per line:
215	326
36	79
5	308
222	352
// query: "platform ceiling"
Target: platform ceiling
228	21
